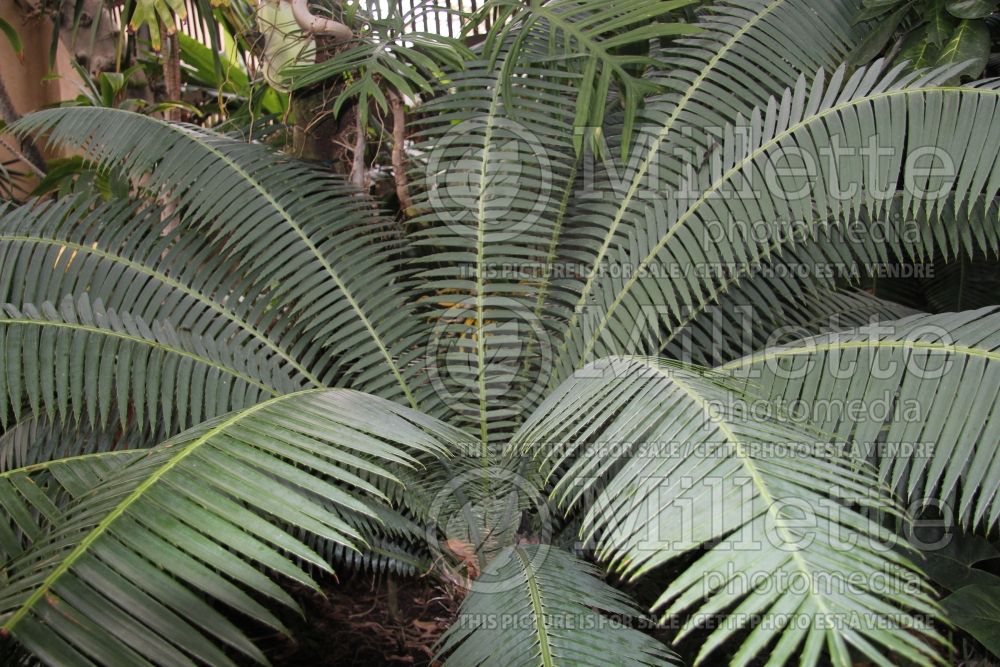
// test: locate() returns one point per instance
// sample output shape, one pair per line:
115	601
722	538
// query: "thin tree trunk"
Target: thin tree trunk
359	168
399	153
172	74
29	152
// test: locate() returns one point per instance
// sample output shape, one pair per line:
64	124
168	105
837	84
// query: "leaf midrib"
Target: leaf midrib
35	467
176	284
650	156
537	607
990	355
480	261
682	220
140	341
101	528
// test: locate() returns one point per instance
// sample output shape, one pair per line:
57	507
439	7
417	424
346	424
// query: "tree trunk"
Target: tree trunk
172	74
28	152
399	154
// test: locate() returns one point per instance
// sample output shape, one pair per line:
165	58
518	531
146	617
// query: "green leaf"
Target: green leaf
15	41
536	605
976	609
940	25
182	522
200	65
600	35
924	365
32	497
495	193
314	240
875	43
110	347
953	563
779	39
969	46
971	9
873	9
910	112
669	463
919	49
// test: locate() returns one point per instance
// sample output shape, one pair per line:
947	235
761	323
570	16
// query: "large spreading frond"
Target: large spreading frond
606	42
891	390
909	113
538	606
121	575
303	237
495	185
769	42
82	359
134	258
668	464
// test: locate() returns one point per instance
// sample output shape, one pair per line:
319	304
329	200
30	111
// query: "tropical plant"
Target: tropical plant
931	33
504	390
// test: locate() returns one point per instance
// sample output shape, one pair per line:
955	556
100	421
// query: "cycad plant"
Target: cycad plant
636	344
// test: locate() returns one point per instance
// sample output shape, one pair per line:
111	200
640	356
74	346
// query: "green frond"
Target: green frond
966	283
37	439
909	112
769	42
908	375
758	313
393	543
312	242
192	515
670	464
135	259
538	606
33	497
384	52
608	42
495	184
792	279
380	556
80	359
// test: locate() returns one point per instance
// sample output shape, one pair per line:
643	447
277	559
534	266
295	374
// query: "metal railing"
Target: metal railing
441	17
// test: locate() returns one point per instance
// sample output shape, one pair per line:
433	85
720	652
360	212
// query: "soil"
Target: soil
354	624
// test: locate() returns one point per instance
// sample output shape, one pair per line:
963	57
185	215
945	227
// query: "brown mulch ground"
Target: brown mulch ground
355	624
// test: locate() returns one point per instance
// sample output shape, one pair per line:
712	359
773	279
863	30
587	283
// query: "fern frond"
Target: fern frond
538	605
187	518
670	464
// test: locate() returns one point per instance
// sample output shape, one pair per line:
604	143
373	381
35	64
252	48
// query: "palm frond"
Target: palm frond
739	324
81	358
538	605
770	42
966	283
134	258
916	371
304	237
611	43
38	439
908	111
788	277
669	464
495	186
384	50
32	497
189	517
